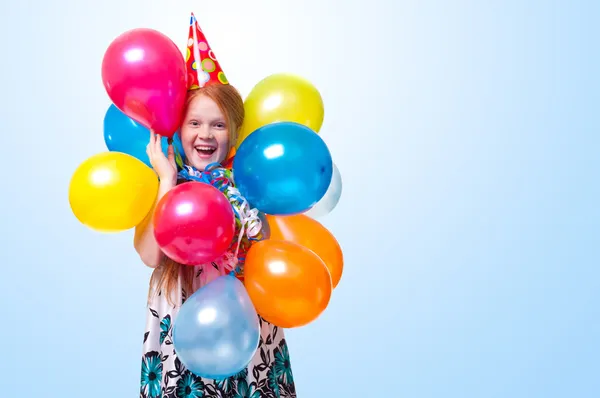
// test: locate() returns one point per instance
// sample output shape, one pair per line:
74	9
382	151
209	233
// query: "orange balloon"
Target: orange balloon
308	232
228	163
289	285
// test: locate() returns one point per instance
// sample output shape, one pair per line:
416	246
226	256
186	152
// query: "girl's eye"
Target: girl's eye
194	122
220	125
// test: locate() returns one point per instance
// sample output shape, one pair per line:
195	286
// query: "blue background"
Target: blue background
466	133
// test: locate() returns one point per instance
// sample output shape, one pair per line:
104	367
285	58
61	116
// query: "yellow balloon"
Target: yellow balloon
112	192
282	98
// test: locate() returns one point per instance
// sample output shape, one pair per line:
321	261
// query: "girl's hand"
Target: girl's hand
164	166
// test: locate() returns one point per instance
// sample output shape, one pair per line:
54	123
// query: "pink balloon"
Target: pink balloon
144	74
194	223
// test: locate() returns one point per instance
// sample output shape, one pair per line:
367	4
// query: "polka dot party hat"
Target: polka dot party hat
202	65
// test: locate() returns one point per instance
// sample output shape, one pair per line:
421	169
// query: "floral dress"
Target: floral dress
268	375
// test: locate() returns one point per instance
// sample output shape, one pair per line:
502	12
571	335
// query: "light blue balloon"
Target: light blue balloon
331	198
123	134
216	332
283	168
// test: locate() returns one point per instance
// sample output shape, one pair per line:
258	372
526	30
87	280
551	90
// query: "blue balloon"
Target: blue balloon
283	168
123	134
216	331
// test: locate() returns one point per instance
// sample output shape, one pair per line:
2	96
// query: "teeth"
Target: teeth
205	148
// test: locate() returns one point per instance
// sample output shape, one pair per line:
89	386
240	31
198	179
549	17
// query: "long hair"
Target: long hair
165	278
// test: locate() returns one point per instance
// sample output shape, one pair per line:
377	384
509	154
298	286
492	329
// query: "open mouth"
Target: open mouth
205	150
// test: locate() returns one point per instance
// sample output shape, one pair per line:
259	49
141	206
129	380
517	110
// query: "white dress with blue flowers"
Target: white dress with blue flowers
268	375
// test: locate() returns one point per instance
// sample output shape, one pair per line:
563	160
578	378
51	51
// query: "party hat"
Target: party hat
202	65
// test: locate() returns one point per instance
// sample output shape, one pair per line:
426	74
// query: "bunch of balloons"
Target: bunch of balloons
285	170
144	75
282	169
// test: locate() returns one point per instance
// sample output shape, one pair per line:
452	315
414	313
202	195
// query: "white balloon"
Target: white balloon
331	197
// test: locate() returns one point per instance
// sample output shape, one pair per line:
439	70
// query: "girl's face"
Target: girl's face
204	133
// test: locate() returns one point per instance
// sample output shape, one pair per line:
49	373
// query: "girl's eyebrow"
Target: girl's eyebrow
213	120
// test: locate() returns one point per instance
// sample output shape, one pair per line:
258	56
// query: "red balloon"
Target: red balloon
194	223
144	74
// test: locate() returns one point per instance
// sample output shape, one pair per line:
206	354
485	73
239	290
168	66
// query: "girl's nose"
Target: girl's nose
205	133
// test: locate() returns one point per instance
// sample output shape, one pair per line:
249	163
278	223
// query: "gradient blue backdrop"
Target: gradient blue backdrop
466	133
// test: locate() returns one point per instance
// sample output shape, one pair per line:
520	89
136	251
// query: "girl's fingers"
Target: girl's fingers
158	144
150	146
171	154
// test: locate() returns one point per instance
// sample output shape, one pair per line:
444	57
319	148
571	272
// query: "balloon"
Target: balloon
216	331
112	192
309	233
265	231
331	198
194	223
283	168
123	134
282	98
144	74
289	285
228	162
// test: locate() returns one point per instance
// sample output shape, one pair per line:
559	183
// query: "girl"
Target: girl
213	117
214	113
